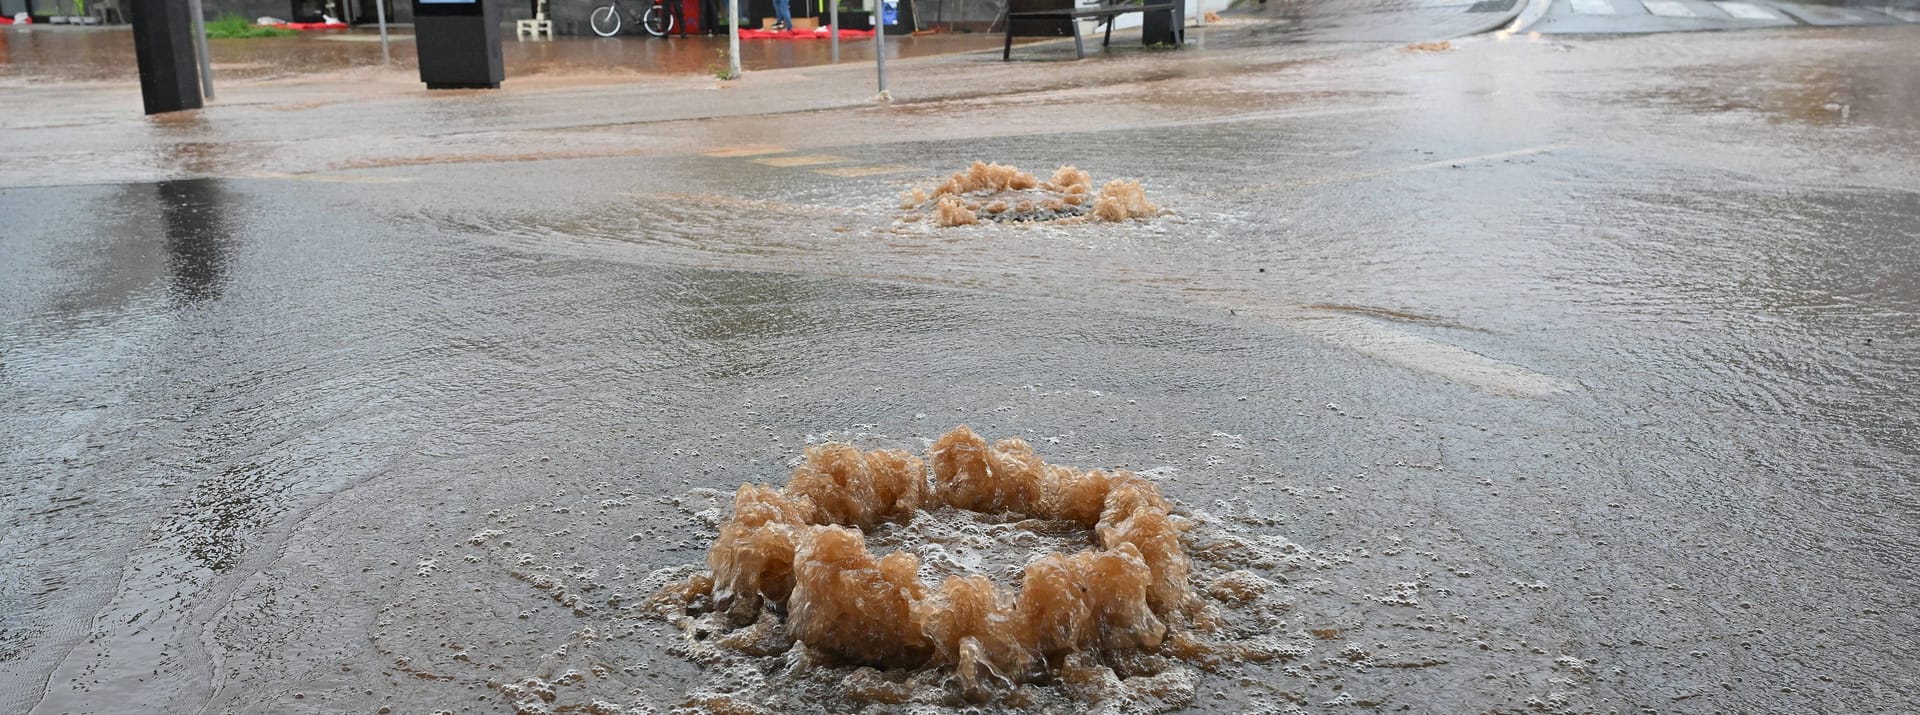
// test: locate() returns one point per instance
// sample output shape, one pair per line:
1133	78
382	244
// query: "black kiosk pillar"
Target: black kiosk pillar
1164	28
163	48
458	42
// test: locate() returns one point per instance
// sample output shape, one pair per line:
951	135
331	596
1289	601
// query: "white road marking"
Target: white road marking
1428	166
1745	11
331	178
747	150
1593	7
1427	355
1667	8
801	160
857	171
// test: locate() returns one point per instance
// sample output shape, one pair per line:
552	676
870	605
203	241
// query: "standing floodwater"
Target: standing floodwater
1556	374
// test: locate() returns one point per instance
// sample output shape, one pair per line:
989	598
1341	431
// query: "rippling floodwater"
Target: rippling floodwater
1576	372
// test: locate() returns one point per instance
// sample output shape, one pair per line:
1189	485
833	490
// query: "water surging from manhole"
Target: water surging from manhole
995	192
795	565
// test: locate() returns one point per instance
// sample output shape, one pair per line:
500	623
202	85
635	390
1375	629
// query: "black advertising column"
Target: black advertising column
163	47
1164	28
459	43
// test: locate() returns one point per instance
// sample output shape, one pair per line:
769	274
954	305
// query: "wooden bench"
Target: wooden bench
1060	18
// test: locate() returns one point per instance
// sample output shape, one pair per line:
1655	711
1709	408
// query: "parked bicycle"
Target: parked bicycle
657	20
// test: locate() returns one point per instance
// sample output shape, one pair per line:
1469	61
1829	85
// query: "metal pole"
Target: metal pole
880	41
733	39
200	48
380	12
833	21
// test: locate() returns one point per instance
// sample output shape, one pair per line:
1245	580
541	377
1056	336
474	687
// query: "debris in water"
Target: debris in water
1441	46
993	192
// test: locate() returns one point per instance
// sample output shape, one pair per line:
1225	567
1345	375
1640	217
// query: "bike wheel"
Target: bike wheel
658	22
605	20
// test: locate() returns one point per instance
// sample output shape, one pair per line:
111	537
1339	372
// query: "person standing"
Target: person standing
782	15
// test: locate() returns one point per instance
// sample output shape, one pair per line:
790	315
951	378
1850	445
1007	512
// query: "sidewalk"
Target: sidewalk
362	117
59	54
1635	16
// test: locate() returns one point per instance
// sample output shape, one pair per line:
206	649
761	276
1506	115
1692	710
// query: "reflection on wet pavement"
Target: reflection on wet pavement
197	231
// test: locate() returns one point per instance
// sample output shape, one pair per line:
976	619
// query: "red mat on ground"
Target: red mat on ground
820	34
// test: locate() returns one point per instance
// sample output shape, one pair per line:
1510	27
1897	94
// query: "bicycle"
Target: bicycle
658	20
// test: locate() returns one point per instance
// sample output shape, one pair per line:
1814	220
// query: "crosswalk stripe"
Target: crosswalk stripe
1667	8
1593	7
1745	11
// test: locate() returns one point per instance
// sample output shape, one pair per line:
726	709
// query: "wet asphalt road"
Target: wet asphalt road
1606	346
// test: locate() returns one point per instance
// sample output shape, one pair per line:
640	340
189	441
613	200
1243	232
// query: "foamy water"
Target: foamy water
995	192
574	603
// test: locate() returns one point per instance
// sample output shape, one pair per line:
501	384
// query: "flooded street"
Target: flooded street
1555	374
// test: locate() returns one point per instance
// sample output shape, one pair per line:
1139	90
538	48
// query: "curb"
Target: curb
1514	18
1534	10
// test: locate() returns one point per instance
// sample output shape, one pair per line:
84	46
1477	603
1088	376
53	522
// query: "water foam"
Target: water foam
596	598
793	565
996	192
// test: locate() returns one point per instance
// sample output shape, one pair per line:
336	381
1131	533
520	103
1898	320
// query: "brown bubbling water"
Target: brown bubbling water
802	551
993	192
547	602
